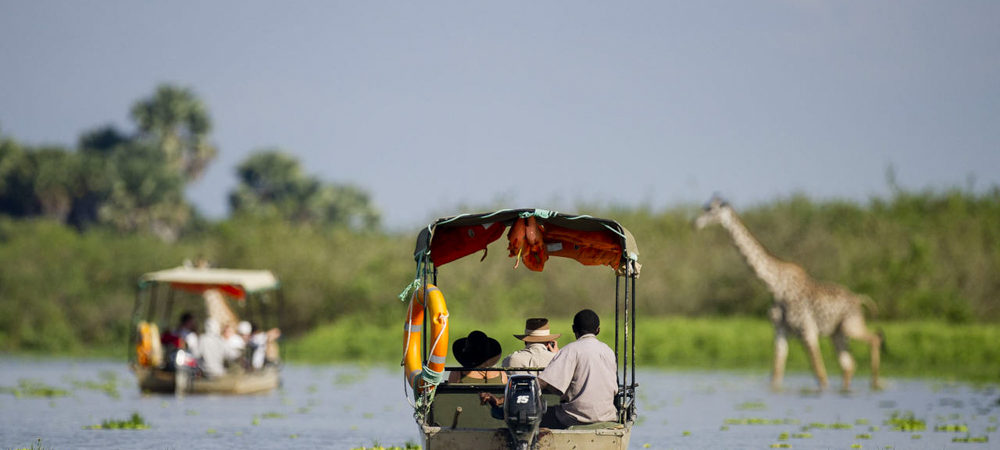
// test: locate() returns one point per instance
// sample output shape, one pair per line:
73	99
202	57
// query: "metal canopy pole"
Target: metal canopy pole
626	343
135	322
618	373
633	329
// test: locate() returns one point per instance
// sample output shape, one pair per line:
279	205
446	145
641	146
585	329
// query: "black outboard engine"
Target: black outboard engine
523	408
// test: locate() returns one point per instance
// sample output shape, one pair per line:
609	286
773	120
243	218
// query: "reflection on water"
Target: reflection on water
346	406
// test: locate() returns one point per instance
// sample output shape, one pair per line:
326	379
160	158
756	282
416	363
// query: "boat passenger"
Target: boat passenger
263	346
584	373
477	350
212	349
539	346
235	345
183	339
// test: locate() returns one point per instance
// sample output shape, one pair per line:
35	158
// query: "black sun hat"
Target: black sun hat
477	349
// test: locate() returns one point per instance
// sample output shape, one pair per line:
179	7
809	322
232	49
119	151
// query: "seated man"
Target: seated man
212	348
539	346
584	373
477	350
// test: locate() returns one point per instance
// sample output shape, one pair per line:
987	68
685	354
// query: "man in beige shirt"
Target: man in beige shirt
585	374
540	346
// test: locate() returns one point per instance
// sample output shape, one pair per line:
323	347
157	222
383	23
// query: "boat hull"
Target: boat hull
237	383
616	438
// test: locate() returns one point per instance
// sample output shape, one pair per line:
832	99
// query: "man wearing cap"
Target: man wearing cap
539	346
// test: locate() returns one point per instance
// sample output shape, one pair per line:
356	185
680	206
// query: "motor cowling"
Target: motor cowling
523	409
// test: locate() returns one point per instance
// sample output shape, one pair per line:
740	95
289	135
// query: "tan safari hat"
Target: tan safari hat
537	330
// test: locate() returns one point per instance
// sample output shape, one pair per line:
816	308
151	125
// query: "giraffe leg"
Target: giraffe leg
854	327
780	356
811	340
844	358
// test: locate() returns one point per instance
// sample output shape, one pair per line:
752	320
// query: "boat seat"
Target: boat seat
450	396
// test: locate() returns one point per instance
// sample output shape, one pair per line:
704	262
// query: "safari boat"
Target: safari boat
450	415
209	292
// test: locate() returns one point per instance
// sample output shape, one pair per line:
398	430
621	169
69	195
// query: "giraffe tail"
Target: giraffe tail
870	304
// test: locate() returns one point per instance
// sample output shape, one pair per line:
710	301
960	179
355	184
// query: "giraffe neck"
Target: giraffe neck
763	264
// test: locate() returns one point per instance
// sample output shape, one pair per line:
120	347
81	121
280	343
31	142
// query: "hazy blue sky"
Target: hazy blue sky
544	104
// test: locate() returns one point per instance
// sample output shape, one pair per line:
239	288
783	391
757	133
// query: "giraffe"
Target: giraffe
803	307
218	309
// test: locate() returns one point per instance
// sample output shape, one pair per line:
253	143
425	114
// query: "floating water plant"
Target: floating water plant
783	437
273	415
861	422
109	386
802	435
841	426
781	445
36	446
953	428
136	422
855	445
969	439
34	388
906	422
863	436
760	421
758	405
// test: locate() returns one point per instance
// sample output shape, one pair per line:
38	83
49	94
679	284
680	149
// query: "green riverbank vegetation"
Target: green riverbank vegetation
915	348
79	225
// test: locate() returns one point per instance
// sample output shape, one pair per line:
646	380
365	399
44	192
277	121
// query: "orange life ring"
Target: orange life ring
148	350
412	360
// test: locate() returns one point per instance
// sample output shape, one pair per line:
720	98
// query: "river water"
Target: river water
347	407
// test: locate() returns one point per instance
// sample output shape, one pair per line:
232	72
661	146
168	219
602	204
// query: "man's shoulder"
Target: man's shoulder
516	357
588	344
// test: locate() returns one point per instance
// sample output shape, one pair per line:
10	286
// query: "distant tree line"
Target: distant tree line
133	181
79	226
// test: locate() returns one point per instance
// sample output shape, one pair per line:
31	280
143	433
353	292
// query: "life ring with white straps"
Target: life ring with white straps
412	330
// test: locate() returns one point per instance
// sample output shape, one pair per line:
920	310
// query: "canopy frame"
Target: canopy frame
625	277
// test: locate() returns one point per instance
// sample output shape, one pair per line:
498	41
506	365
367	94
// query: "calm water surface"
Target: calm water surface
346	406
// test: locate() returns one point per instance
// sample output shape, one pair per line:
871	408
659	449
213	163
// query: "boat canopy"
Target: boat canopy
233	282
533	236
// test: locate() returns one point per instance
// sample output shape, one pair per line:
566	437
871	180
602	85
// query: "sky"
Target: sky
437	106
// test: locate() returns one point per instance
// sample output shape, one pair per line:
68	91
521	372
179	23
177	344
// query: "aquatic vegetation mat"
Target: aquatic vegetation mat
34	388
136	422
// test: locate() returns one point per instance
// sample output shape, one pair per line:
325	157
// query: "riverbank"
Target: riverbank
916	349
924	349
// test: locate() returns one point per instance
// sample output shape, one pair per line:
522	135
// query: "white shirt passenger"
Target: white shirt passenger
586	373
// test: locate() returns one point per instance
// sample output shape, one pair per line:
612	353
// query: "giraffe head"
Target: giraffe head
713	213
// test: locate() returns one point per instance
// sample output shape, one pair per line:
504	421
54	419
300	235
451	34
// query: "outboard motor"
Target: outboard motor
523	408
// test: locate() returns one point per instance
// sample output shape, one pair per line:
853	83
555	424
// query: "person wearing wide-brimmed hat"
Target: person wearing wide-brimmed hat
584	373
476	351
540	345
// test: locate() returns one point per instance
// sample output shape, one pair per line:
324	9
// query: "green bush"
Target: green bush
918	255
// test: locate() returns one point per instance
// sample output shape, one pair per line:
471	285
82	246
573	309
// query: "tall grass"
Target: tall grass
919	255
925	349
